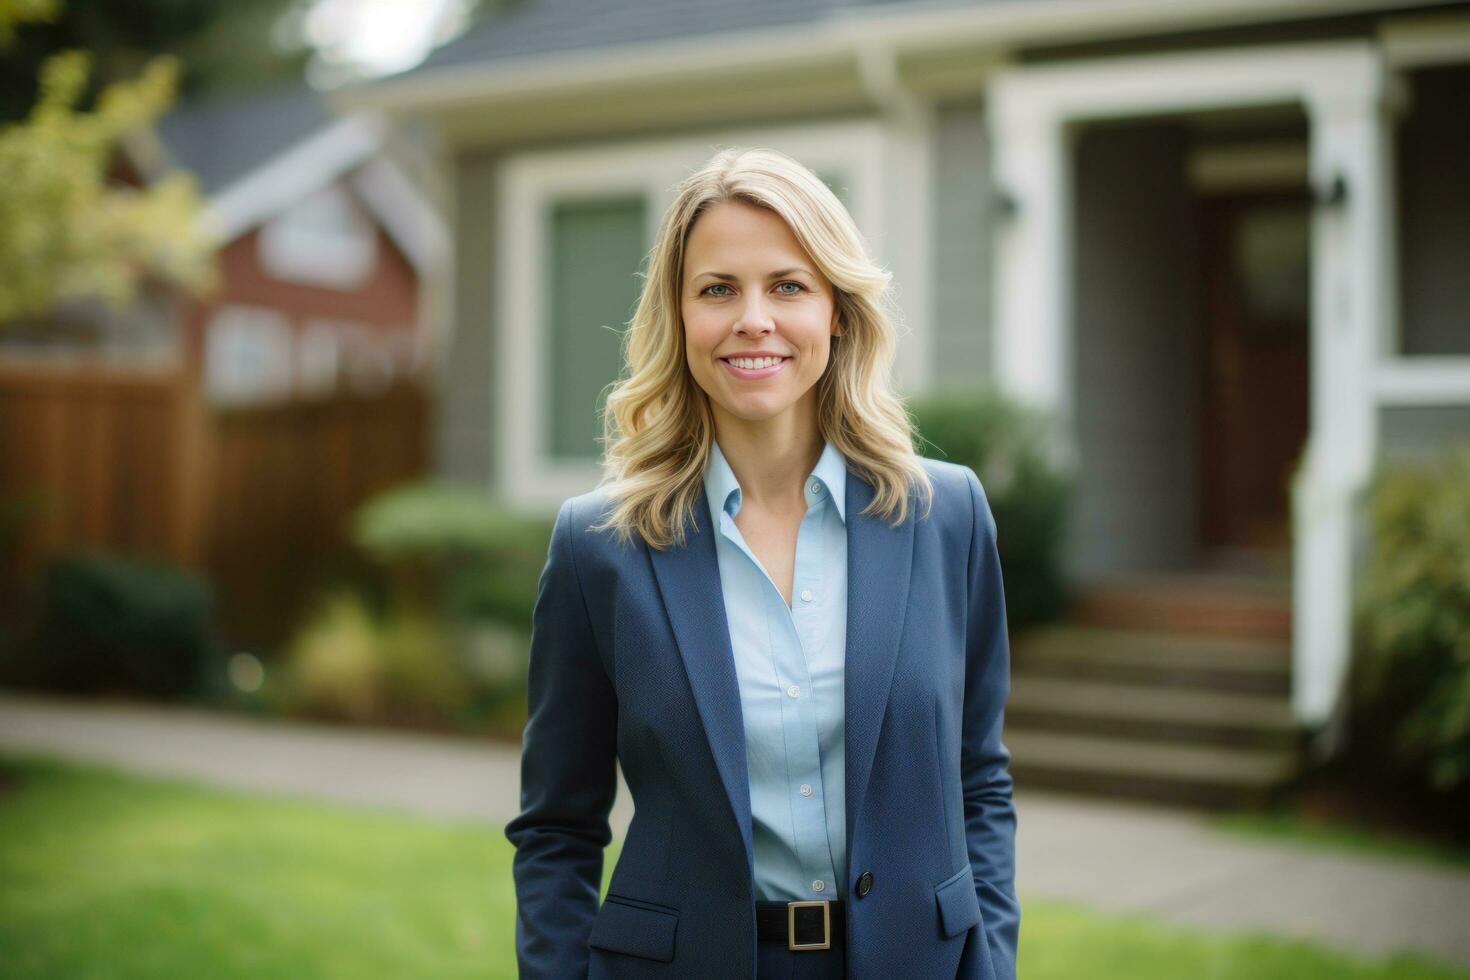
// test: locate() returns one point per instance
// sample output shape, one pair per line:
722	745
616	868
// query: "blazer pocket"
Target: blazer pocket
959	906
636	928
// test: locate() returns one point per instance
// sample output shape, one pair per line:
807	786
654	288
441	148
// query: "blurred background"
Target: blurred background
308	307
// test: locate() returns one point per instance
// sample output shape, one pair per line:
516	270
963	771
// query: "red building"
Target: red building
328	249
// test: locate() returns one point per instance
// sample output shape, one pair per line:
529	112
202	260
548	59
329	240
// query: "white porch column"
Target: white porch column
1031	334
1353	309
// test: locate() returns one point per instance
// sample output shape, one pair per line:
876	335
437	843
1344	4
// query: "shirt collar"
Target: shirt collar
722	490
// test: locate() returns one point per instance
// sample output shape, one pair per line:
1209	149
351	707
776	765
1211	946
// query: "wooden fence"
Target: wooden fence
131	461
101	458
285	482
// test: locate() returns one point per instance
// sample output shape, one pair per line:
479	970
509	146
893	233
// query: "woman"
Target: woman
802	676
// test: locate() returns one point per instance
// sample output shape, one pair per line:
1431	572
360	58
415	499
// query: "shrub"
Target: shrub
333	667
17	511
1413	615
104	623
1004	443
457	547
498	656
353	664
446	640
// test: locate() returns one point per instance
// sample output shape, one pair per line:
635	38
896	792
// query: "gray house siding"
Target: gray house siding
466	433
961	247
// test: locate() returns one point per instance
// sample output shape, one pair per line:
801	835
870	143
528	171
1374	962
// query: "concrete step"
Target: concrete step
1207	776
1146	711
1154	659
1204	603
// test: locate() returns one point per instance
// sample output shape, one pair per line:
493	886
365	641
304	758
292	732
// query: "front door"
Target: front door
1256	268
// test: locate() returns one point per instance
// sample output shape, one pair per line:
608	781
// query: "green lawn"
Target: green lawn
109	875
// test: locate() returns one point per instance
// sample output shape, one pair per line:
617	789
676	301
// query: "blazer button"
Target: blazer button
864	884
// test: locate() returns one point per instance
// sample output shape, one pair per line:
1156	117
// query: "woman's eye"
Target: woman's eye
784	292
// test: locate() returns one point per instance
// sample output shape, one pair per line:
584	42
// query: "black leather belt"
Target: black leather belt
801	925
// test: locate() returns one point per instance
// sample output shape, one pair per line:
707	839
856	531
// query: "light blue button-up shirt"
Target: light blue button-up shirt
789	661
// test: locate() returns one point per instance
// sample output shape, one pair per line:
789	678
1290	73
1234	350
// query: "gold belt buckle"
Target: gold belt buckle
826	906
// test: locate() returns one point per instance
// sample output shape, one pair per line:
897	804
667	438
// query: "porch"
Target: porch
1199	274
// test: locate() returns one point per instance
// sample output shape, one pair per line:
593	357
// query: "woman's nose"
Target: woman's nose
753	318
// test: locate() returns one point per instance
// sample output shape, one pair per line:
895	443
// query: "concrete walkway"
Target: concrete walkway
1170	865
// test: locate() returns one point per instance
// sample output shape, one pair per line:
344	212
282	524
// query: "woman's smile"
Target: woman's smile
752	368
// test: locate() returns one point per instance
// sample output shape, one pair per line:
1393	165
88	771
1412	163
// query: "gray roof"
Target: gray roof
532	27
222	140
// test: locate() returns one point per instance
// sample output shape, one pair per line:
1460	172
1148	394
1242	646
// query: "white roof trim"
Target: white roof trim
413	225
993	25
292	175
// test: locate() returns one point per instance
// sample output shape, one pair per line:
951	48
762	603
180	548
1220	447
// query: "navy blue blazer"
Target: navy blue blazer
631	661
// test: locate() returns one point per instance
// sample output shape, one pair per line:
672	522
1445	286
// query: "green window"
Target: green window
596	248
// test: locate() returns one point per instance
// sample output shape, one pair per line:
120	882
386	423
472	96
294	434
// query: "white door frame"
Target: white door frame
1344	88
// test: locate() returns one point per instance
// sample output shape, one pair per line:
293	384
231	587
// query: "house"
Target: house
326	248
328	253
1224	243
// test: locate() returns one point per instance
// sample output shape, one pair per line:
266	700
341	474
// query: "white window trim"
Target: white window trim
1423	379
530	182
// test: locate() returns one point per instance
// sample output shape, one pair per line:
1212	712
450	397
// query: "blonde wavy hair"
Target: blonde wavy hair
657	424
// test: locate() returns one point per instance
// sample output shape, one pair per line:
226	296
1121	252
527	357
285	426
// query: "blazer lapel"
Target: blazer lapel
879	563
689	580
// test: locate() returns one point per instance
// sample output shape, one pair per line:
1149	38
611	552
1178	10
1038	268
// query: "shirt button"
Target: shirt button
806	789
794	691
816	487
806	595
819	885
